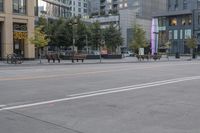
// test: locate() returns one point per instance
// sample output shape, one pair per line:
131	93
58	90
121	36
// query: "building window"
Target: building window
189	19
161	21
52	10
79	3
169	5
85	4
19	38
79	9
181	34
1	5
186	20
85	10
175	34
198	4
185	4
125	5
19	6
188	33
176	5
170	34
173	21
120	5
183	21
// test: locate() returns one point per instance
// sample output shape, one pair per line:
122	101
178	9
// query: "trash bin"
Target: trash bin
177	55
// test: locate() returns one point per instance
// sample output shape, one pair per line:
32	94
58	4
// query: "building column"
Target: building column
7	30
30	48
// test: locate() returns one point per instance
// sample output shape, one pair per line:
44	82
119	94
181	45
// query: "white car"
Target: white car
128	54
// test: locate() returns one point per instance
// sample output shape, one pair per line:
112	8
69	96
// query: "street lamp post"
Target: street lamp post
73	35
87	43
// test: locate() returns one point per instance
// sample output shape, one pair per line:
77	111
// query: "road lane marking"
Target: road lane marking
103	92
133	86
73	74
2	106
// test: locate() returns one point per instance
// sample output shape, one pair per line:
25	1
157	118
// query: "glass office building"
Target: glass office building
52	8
179	22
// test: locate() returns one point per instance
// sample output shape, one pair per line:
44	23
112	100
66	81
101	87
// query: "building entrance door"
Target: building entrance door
18	46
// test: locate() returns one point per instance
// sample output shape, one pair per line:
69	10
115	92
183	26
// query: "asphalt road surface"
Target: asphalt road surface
150	97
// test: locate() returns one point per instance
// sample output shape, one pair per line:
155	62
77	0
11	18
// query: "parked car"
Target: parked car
128	54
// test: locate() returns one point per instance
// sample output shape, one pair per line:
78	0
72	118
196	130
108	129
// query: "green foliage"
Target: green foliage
80	34
40	40
60	33
42	22
191	42
139	39
113	38
96	35
167	45
63	31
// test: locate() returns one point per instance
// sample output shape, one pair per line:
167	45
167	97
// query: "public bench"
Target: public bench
53	57
78	57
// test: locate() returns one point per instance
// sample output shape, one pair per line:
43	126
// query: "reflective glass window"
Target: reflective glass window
19	6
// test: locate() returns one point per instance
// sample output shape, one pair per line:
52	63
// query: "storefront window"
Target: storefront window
175	34
1	5
186	20
173	21
188	33
19	6
170	34
19	38
181	34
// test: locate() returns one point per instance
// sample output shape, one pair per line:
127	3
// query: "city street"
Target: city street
146	97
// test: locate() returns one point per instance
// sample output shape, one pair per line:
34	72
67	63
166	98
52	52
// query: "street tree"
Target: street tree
139	39
60	33
42	22
96	35
81	34
191	43
113	38
39	39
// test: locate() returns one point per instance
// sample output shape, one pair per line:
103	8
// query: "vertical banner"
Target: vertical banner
154	36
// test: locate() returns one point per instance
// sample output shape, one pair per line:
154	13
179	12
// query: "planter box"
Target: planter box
92	57
112	56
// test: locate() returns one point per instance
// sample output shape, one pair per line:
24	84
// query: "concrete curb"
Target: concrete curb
90	62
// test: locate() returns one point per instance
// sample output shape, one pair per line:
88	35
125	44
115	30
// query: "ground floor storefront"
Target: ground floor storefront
15	32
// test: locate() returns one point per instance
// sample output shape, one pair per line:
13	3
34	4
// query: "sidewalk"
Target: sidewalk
97	61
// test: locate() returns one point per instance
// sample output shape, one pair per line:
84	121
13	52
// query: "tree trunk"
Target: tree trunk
40	56
191	52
